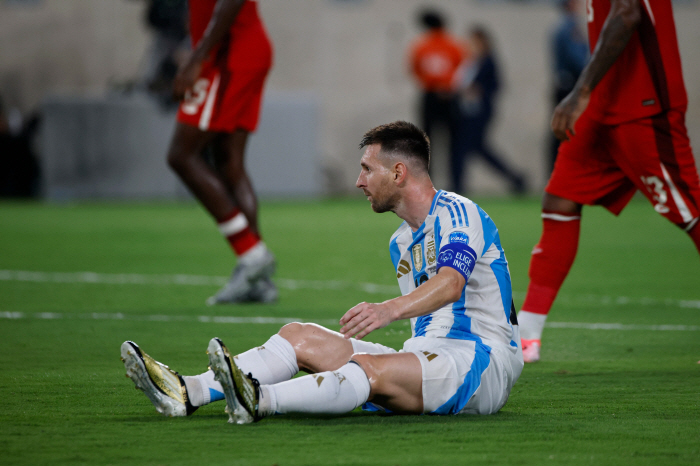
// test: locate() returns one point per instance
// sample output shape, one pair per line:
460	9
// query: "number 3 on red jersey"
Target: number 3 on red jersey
195	99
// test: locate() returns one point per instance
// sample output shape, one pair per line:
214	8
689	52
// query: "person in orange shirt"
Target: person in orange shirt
435	58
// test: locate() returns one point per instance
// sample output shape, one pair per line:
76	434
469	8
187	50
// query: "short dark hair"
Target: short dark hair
402	138
431	18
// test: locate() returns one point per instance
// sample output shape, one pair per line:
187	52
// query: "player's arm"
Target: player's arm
224	15
444	288
623	19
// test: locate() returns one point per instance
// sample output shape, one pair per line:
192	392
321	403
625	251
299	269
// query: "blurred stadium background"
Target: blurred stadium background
618	381
340	68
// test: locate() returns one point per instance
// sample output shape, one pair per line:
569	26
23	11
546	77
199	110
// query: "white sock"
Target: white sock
202	389
254	254
273	362
332	392
531	325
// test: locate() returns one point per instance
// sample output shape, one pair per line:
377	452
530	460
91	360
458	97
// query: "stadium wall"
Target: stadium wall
349	55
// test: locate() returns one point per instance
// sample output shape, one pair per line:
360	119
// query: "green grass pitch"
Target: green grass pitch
629	395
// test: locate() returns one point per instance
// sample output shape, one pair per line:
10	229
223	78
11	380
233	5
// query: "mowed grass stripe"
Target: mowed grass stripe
291	284
287	320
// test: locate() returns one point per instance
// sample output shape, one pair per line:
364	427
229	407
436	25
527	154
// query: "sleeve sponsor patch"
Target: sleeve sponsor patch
457	256
458	237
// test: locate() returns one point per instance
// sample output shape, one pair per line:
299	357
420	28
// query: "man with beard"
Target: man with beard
464	353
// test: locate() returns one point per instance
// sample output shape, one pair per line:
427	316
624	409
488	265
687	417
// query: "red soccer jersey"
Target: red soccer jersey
646	79
247	46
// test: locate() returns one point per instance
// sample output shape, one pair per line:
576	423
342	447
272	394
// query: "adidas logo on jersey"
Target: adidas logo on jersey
403	268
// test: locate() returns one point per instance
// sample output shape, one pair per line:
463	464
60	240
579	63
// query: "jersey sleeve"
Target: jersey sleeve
462	244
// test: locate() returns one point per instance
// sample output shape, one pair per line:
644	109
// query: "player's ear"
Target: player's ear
400	172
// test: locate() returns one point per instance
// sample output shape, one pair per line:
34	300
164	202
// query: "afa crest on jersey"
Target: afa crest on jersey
430	249
417	251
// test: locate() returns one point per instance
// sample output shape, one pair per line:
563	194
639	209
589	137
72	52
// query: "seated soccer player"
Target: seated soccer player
464	353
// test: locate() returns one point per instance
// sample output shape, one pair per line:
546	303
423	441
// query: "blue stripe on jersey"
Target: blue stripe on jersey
500	270
466	217
459	214
463	218
421	324
489	229
442	203
471	382
438	231
435	199
417	235
462	323
395	253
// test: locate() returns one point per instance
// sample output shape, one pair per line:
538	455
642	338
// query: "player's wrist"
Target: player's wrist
393	308
583	91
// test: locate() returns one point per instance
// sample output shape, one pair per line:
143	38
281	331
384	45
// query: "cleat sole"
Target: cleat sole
136	371
222	374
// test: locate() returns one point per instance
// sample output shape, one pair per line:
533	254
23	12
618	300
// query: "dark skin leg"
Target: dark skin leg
553	203
219	189
231	166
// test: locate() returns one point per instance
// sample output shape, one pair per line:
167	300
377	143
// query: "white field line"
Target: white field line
182	279
286	320
291	284
159	318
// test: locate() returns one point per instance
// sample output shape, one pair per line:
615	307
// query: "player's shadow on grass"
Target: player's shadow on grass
353	418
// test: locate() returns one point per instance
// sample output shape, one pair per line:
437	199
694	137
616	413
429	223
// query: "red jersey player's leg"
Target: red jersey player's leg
222	110
584	174
655	154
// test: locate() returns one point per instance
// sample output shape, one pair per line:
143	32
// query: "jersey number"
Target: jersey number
194	99
589	10
656	187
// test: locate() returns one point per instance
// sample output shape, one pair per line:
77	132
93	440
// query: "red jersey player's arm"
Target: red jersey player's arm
222	18
623	19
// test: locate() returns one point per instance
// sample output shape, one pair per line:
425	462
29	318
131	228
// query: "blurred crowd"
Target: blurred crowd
459	78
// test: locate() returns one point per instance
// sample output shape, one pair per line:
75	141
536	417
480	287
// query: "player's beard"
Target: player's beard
384	202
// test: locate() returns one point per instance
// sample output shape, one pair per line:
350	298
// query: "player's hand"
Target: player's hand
365	318
567	112
186	77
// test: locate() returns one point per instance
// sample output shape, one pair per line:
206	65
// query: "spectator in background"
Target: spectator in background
434	58
478	83
168	21
19	170
570	54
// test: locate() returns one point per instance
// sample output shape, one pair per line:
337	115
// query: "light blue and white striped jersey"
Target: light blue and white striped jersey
457	233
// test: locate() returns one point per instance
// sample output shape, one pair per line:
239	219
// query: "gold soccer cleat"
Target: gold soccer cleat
163	386
241	391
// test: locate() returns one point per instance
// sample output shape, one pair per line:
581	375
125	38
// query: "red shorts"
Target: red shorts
224	100
606	164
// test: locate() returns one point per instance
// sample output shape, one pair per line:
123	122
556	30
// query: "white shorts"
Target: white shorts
460	376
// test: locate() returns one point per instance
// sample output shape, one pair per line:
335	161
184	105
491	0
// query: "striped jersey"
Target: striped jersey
457	233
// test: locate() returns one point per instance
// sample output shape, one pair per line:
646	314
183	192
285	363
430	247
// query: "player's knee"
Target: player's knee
370	365
291	332
176	159
299	335
553	203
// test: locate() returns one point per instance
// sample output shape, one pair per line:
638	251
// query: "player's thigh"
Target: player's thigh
655	154
187	141
463	376
395	380
496	381
585	171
